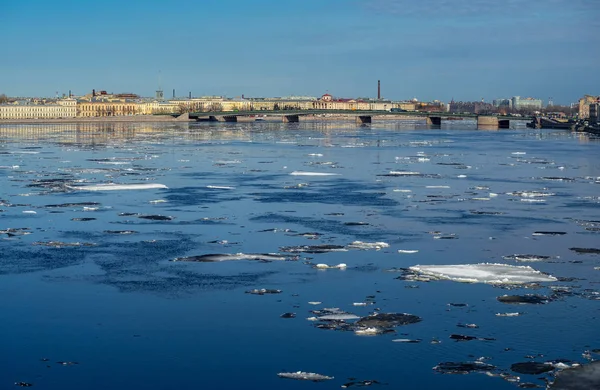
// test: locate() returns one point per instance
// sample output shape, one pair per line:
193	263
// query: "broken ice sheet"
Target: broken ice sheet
117	187
360	383
387	320
218	257
531	368
305	376
479	273
583	377
531	299
518	257
462	367
263	291
368	245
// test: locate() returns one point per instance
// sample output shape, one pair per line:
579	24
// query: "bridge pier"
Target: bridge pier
504	123
487	122
363	119
291	118
433	121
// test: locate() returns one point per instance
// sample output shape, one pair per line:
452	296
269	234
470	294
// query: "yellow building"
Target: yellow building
106	108
63	108
584	105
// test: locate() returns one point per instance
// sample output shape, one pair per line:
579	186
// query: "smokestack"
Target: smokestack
173	93
190	95
69	93
93	92
378	89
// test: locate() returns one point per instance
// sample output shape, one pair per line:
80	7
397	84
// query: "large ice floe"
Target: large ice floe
582	377
118	187
478	273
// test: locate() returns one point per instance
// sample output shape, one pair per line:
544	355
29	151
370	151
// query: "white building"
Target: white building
63	108
519	103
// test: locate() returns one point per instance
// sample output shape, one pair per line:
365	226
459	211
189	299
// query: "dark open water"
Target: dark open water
74	287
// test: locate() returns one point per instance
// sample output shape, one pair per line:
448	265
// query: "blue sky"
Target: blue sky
429	49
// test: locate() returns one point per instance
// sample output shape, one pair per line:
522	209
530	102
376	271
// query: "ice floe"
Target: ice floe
582	377
407	341
548	233
324	248
338	317
325	266
387	320
480	273
304	173
404	173
518	257
118	187
463	367
305	376
368	331
263	291
461	337
593	251
218	257
360	383
530	299
531	368
407	251
368	245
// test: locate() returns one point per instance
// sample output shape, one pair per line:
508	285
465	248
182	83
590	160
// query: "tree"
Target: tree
214	107
3	98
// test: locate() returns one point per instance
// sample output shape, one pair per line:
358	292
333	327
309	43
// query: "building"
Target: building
476	107
584	105
103	104
61	108
502	103
529	103
107	108
594	110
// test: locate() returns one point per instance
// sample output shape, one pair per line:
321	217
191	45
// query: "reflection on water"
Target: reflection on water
97	133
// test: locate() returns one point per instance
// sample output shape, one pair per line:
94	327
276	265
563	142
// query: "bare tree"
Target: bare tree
3	98
214	107
189	108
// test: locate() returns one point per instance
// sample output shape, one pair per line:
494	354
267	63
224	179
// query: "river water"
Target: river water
90	297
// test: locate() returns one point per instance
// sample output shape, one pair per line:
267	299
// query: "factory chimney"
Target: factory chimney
93	92
190	95
173	93
378	89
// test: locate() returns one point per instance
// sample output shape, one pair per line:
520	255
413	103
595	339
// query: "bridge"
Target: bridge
362	116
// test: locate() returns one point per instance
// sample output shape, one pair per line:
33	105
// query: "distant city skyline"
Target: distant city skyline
438	50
